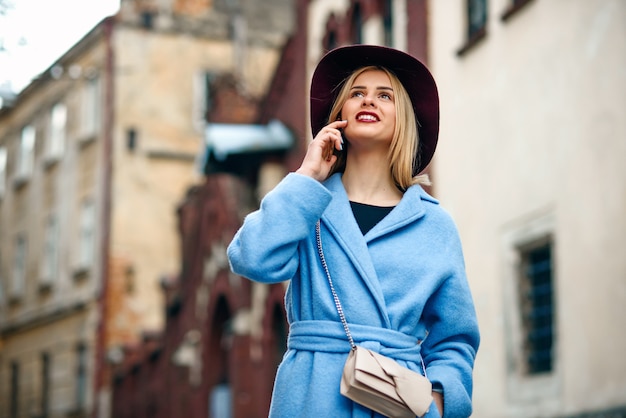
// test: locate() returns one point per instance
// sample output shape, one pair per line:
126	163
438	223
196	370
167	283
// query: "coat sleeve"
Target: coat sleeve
265	248
450	348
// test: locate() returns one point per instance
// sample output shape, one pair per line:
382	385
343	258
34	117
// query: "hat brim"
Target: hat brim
337	65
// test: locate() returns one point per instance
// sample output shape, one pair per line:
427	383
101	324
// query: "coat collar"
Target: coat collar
339	215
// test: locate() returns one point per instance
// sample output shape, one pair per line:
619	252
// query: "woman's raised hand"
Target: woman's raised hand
320	156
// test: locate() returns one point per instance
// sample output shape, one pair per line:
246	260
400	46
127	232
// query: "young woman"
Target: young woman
393	252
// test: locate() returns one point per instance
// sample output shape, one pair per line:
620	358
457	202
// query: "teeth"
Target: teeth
367	117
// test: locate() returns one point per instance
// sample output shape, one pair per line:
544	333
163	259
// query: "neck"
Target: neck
367	179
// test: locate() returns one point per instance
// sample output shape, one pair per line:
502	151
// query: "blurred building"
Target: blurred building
531	164
95	154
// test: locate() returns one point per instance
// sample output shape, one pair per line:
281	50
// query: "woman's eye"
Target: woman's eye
385	96
357	94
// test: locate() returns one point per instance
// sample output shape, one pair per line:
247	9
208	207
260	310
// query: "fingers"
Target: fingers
320	157
330	138
338	124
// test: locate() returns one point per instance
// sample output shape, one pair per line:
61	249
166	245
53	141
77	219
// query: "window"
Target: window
476	17
530	295
18	283
221	400
2	284
58	119
87	234
91	108
3	170
331	38
203	100
330	42
147	19
15	390
357	24
388	22
81	376
476	24
25	154
45	385
131	139
50	252
537	308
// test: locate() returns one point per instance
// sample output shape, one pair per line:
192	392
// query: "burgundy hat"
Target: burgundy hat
337	65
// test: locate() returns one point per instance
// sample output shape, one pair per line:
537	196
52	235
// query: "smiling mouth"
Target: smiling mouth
366	117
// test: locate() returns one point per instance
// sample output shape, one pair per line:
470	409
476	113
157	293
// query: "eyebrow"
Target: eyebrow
377	88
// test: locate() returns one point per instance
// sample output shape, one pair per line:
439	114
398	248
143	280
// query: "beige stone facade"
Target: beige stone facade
50	246
89	190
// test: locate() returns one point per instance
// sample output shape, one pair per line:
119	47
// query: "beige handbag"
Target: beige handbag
375	381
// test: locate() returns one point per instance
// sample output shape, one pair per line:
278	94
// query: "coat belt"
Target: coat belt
330	337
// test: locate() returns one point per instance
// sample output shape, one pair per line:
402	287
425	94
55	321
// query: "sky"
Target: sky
35	33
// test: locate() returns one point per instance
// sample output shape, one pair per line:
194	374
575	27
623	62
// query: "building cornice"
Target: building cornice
44	318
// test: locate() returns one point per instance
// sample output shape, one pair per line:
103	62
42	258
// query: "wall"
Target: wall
532	142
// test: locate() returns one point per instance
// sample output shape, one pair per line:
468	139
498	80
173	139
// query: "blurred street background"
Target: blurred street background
135	135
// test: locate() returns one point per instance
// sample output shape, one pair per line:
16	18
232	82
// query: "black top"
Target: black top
368	215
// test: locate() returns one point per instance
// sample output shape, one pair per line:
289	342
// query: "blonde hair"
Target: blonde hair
405	140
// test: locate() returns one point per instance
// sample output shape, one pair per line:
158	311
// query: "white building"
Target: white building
531	165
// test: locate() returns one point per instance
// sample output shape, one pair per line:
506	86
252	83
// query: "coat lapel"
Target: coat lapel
340	223
410	209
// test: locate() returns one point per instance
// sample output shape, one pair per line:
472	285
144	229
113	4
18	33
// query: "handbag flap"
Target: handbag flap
367	363
416	391
386	375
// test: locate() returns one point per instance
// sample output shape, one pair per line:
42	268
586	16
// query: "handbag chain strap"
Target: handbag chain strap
342	316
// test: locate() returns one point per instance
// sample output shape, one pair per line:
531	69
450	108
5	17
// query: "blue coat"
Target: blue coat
402	286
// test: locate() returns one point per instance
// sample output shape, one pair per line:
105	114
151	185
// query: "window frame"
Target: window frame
25	158
50	259
86	235
527	282
19	267
3	171
91	112
203	100
46	380
81	388
473	36
57	131
523	388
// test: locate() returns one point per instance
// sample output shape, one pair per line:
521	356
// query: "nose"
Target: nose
367	101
